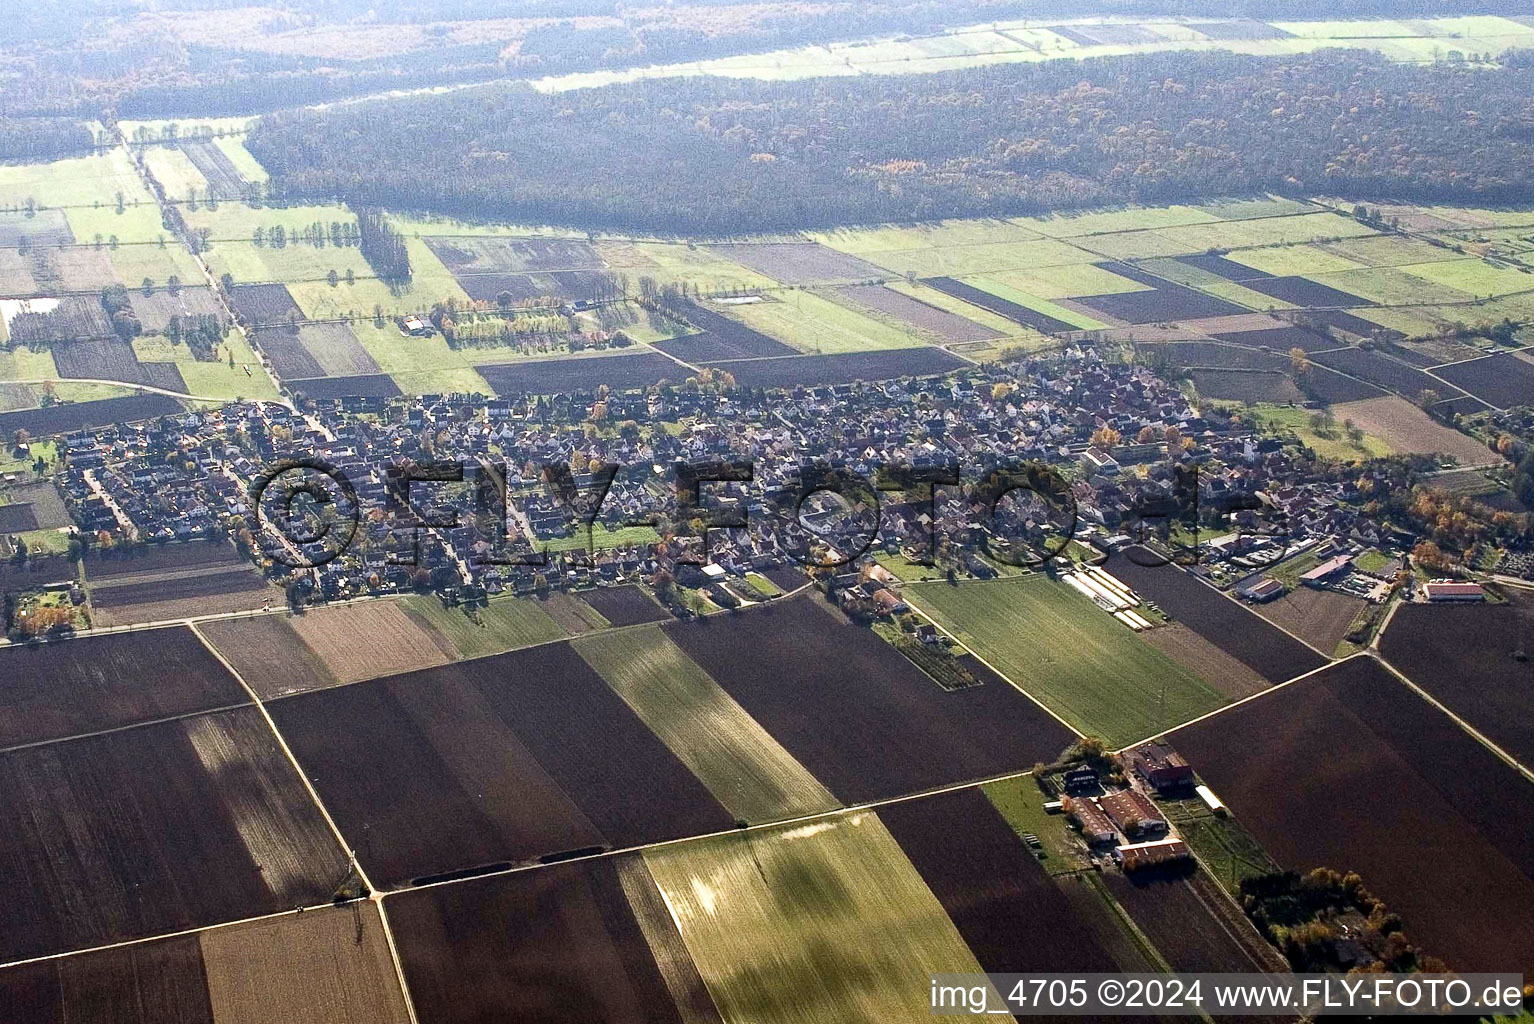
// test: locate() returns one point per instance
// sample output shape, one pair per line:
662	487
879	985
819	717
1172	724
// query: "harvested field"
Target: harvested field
181	596
565	284
1163	302
499	626
1501	380
16	278
1466	406
1466	657
625	606
802	923
1220	356
70	416
1321	618
572	615
1332	388
1233	678
503	759
1234	629
113	359
327	966
262	303
1222	266
290	359
47	505
154	311
556	376
1194	924
830	692
1013	311
88	684
1304	292
17	518
1406	428
161	558
1261	386
268	654
79	269
722	338
1086	667
844	368
376	385
201	820
160	982
225	183
744	767
1338	320
1383	371
370	639
1279	340
561	945
800	263
1009	912
1390	788
1241	28
513	255
926	317
41	228
334	348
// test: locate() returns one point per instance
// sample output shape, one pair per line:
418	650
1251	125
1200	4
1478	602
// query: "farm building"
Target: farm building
1264	590
416	326
1327	572
1080	778
1094	824
1215	804
1443	591
1133	813
1161	766
1137	856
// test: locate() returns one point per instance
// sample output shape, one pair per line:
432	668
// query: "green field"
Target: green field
505	623
819	326
1022	803
1473	277
77	182
1088	668
1294	260
1035	303
1281	418
728	750
821	922
986	258
1389	286
175	172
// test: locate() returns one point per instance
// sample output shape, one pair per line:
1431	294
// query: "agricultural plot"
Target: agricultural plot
1300	291
721	338
508	254
814	324
1017	313
1406	428
201	819
284	348
369	639
175	172
154	311
1161	303
924	316
496	760
1383	371
371	385
1193	924
1261	386
1332	388
1467	658
268	654
41	228
1502	380
45	506
161	558
498	626
327	966
845	368
1351	770
160	981
336	349
1351	324
224	181
1218	355
625	606
1065	651
1322	618
52	691
177	595
16	278
263	303
113	359
567	944
745	768
558	376
800	263
574	285
1004	905
70	416
829	905
829	692
1230	627
1233	678
572	615
73	316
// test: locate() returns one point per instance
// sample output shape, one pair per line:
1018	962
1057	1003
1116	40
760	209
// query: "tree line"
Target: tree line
382	246
718	156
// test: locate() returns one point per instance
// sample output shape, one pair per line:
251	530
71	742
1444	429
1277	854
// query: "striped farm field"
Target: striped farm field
728	750
821	922
499	626
1065	651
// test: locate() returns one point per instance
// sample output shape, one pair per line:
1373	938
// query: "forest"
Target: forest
716	156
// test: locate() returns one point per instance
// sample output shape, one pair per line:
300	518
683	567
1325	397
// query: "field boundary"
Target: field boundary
1470	730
